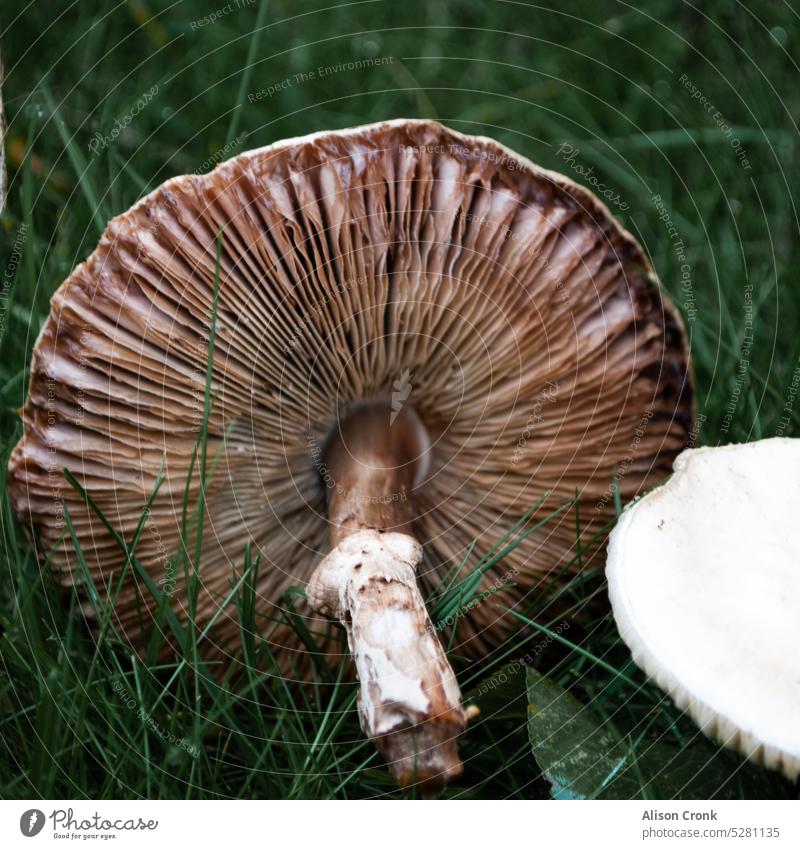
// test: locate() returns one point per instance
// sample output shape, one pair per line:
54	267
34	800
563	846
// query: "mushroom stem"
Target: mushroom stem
410	702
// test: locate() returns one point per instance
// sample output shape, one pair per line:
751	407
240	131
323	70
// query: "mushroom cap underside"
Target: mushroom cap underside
394	261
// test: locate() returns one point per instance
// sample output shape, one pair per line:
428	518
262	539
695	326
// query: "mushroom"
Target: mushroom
418	336
704	580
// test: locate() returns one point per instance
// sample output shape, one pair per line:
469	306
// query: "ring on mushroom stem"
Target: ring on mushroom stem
546	362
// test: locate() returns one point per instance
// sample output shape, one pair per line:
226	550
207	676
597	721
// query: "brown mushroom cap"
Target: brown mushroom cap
520	321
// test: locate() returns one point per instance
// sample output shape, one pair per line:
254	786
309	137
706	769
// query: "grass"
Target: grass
81	717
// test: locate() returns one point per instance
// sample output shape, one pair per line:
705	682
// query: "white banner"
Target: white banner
393	825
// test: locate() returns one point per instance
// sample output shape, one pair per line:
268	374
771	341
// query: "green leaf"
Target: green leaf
579	756
584	757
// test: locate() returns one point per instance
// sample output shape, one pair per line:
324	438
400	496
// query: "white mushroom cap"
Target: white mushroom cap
704	579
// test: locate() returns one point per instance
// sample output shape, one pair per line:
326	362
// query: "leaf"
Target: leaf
580	757
583	757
